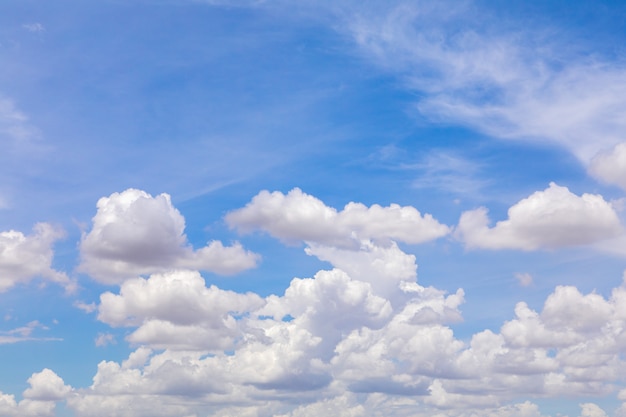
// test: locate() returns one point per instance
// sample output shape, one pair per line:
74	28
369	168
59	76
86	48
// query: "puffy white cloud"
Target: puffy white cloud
610	166
383	267
591	410
46	389
176	310
330	342
551	218
134	233
362	338
46	386
301	217
23	258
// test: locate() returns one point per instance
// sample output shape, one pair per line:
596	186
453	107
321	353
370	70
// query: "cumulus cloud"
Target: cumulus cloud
39	400
46	386
176	310
298	216
591	410
134	233
360	338
23	257
334	342
551	218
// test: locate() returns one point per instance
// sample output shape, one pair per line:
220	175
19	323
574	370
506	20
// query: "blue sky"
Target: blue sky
263	208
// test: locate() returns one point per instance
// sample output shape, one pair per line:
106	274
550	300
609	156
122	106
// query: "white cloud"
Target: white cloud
87	308
524	278
23	258
25	333
134	233
591	410
34	27
46	386
610	166
341	406
473	70
104	339
176	310
551	218
362	338
301	217
344	347
14	123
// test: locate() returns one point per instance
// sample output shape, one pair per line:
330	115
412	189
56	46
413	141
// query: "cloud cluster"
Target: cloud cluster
362	338
551	218
39	400
134	234
23	257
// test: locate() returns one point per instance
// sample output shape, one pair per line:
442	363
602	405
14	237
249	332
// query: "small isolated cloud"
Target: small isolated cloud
34	27
551	218
134	234
298	216
104	339
23	258
87	308
610	166
14	123
524	279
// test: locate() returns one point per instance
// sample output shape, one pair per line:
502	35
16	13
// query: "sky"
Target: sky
269	208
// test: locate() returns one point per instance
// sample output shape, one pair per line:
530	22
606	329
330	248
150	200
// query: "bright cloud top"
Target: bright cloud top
298	216
551	218
134	233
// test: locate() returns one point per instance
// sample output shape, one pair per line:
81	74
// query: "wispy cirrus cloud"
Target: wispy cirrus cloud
14	124
512	83
25	333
